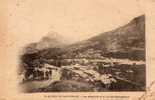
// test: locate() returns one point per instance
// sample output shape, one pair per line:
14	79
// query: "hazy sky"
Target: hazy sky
29	20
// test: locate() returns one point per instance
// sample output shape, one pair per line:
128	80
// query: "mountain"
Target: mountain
127	41
131	35
51	40
48	47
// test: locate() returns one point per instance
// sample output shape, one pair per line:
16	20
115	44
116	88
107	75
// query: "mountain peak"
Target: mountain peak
51	40
53	35
139	18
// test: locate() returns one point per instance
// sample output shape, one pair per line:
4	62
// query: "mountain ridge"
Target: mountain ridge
127	40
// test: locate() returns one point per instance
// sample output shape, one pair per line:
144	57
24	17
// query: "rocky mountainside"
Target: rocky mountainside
127	41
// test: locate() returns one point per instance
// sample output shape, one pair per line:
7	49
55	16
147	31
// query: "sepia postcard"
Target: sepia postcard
77	49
